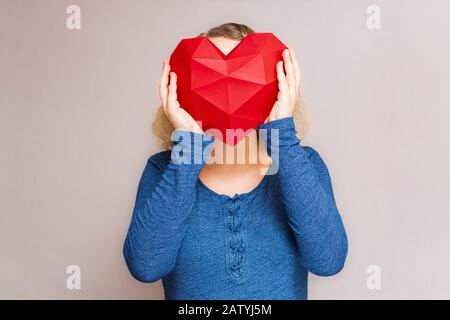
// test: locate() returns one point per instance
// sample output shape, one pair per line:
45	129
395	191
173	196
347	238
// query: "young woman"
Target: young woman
227	231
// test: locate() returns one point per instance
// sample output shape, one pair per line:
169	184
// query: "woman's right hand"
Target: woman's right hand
179	117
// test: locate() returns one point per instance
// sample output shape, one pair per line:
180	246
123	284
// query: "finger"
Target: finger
172	97
164	80
283	88
296	70
194	123
289	71
163	83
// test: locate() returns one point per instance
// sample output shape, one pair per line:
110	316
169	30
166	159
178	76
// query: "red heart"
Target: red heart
232	91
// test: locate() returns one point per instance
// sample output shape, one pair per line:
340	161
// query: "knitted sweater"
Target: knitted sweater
255	245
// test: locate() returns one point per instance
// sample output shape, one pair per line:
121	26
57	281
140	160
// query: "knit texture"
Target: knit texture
255	245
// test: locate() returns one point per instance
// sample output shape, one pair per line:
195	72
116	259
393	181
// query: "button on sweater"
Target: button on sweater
255	245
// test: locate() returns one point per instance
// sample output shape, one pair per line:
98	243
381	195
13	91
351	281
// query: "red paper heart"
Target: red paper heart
232	91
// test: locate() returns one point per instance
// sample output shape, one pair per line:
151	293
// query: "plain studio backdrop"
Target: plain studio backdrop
76	108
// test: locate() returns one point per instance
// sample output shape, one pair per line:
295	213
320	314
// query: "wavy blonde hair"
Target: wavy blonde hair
161	125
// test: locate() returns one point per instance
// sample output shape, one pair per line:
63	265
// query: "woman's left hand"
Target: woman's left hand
288	86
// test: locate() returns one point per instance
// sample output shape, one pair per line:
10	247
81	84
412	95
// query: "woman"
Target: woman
225	231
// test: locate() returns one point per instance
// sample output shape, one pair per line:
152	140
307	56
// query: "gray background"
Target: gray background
76	108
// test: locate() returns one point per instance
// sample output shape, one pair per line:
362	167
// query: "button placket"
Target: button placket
235	237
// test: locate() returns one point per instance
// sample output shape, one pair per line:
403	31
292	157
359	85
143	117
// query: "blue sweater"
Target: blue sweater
255	245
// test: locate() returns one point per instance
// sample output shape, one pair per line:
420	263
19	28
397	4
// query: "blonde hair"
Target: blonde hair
161	125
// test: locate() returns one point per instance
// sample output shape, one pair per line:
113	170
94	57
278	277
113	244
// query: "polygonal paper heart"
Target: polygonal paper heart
232	91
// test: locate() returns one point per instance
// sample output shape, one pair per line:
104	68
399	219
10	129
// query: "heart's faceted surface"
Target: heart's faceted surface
233	91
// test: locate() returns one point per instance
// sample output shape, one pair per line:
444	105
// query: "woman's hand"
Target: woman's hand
179	117
288	86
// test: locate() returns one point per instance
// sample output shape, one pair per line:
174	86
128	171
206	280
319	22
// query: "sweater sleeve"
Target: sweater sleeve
165	197
307	195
